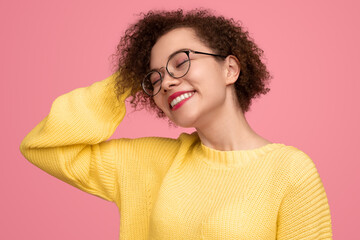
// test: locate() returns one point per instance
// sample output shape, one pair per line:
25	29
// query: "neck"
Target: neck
229	131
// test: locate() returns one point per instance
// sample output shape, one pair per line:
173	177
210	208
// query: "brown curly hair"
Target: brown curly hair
224	36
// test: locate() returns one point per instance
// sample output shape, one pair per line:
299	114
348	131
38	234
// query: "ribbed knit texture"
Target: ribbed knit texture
178	188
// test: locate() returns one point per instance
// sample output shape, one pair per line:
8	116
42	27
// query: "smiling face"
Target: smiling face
195	99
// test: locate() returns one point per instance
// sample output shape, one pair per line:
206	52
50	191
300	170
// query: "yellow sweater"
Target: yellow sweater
178	188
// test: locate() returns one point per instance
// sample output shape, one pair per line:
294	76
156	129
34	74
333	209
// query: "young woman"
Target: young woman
224	181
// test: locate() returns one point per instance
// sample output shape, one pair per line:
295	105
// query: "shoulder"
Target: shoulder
293	157
300	168
188	139
157	153
304	204
155	145
293	164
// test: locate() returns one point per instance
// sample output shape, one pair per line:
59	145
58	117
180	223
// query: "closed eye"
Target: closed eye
154	83
179	65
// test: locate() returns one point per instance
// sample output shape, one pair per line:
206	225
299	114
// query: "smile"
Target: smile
179	98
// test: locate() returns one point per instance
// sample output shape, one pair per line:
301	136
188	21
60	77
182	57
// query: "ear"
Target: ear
232	69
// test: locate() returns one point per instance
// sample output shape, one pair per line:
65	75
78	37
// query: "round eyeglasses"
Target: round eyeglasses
177	66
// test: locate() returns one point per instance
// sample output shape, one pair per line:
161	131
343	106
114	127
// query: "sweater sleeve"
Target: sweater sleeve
304	212
69	143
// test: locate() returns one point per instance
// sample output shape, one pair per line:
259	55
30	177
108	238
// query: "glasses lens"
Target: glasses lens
178	64
152	83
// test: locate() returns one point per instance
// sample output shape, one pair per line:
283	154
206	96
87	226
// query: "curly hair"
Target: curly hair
224	36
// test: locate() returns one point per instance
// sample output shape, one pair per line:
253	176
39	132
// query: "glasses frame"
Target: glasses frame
187	52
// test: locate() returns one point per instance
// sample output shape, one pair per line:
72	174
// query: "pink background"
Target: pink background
49	48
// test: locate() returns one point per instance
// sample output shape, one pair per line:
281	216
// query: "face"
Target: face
202	90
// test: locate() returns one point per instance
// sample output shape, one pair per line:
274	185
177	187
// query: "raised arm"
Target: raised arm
70	142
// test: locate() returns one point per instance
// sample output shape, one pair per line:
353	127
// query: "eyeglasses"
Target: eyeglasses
177	66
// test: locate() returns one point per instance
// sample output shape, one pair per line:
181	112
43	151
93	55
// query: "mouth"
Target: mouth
177	99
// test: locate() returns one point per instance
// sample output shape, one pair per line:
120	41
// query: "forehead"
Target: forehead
172	41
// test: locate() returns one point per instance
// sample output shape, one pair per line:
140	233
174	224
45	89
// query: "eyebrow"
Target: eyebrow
182	49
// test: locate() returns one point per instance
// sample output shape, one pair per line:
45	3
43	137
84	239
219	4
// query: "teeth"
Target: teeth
180	98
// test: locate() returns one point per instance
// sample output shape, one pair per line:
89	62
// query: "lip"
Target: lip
175	95
177	106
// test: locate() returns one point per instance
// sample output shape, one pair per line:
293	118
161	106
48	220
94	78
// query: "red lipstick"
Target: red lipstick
181	102
175	95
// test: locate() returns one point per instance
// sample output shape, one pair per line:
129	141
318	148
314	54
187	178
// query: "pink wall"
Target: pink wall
49	48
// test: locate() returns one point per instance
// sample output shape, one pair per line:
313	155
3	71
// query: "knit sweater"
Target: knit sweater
178	188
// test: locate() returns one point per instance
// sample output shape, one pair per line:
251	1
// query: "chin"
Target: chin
184	125
185	121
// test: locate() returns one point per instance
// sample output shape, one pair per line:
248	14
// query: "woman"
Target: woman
224	181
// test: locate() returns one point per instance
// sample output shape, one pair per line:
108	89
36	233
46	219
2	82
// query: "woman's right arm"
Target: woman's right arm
70	142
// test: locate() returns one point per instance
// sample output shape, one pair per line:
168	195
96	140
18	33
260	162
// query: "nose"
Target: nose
169	82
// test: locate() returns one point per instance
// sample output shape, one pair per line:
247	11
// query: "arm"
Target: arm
304	212
69	143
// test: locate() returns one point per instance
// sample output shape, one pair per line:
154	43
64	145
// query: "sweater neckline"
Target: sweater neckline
236	158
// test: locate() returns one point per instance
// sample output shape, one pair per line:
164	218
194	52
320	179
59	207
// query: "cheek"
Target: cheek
207	81
157	102
161	104
206	71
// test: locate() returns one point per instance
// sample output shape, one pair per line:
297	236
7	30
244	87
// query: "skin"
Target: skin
213	110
